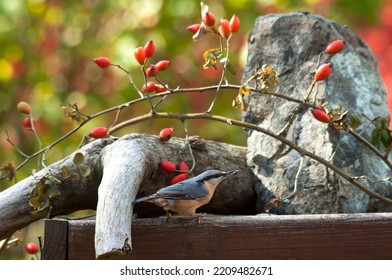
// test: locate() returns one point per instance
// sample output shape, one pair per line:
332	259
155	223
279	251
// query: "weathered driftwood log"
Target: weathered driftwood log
75	191
122	168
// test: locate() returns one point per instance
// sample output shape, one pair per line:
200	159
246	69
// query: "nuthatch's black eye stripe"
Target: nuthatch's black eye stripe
212	177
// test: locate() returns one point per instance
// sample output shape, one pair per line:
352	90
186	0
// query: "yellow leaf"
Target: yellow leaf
211	58
239	100
269	77
244	90
244	105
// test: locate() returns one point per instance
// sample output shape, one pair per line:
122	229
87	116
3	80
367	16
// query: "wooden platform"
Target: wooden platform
312	237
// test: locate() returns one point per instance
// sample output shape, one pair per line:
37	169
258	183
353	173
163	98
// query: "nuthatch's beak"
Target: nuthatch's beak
230	173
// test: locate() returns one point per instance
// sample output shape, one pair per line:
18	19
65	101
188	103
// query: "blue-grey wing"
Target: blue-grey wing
183	190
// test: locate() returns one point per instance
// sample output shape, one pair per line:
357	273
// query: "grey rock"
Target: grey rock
291	43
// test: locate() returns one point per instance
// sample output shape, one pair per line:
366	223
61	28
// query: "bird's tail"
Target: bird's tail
141	199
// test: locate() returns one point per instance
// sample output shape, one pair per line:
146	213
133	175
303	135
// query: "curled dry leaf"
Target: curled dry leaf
269	77
72	111
212	57
41	194
8	170
239	100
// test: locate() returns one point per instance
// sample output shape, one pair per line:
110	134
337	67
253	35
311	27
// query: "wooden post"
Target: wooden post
56	240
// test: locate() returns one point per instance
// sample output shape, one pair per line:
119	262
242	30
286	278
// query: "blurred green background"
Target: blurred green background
47	50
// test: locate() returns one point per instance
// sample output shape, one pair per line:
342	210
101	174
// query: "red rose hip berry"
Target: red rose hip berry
321	115
32	248
162	65
234	24
323	72
335	47
149	49
151	70
166	134
178	178
159	88
138	53
150	87
99	132
224	29
168	166
26	123
209	19
182	166
194	28
102	62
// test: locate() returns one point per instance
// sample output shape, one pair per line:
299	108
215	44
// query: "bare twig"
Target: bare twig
165	96
319	59
374	181
161	83
147	94
130	79
160	101
296	110
310	91
117	116
8	138
336	148
36	137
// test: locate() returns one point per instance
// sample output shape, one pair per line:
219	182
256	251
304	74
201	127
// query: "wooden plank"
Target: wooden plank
337	236
81	239
55	242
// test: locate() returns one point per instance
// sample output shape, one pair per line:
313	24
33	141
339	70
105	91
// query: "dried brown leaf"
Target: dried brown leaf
8	170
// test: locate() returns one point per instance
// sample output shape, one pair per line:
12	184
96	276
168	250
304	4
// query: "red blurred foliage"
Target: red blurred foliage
379	39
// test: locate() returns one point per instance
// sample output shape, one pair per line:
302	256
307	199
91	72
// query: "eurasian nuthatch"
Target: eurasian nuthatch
185	197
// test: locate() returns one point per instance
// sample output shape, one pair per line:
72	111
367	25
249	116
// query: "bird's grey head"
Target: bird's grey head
214	176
